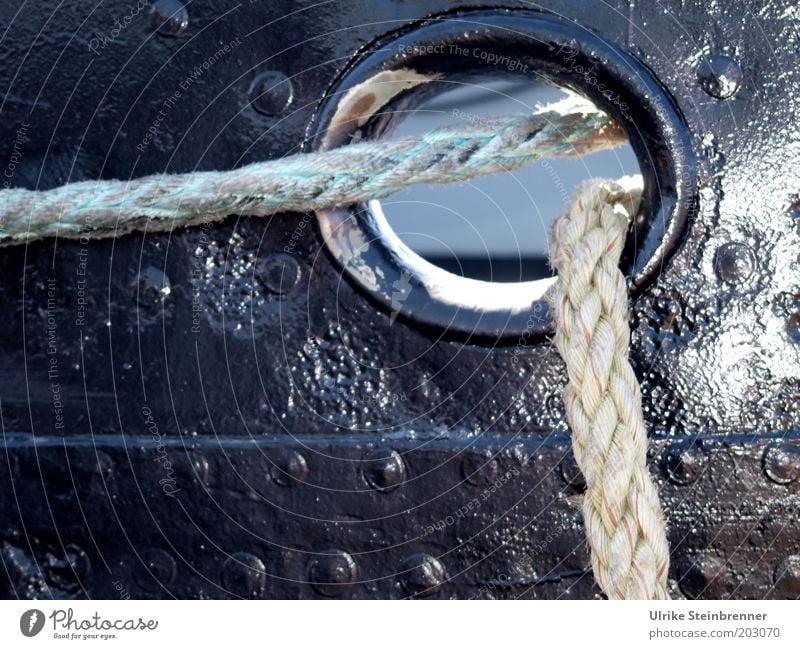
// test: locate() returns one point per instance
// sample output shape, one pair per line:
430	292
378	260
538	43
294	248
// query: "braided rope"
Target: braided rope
624	524
305	181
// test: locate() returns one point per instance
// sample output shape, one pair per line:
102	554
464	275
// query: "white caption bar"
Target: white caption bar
404	625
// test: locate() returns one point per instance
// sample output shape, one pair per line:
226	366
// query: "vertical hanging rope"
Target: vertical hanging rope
624	524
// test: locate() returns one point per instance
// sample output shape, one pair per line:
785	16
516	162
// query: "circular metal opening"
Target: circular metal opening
399	74
494	228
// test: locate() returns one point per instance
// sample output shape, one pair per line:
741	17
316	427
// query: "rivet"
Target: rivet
701	577
289	469
160	570
571	473
384	469
151	287
480	469
685	465
101	472
78	561
719	75
271	93
422	574
244	575
426	393
782	463
787	577
194	468
734	262
279	273
169	17
333	573
104	465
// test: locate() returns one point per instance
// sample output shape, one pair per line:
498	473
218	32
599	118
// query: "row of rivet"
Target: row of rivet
279	273
384	469
780	463
271	92
719	75
332	574
710	577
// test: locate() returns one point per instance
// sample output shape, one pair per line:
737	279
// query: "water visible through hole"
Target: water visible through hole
494	227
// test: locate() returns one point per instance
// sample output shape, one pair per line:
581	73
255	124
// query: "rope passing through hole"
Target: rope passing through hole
306	182
624	525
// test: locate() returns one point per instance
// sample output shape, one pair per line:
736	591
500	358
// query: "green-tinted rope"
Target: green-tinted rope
306	181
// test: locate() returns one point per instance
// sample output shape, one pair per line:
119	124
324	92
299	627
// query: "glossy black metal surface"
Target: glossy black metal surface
482	45
213	412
